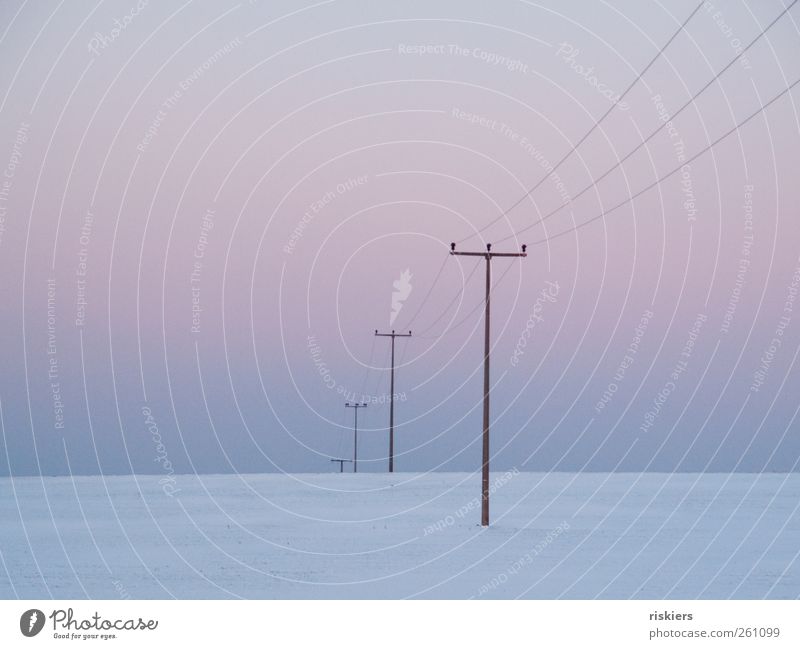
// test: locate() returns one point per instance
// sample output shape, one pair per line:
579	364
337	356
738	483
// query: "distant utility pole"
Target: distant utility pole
392	335
355	432
485	466
341	463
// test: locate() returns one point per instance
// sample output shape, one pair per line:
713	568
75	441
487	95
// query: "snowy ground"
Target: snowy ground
411	535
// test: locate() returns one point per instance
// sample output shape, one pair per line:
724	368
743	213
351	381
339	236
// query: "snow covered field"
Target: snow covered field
370	535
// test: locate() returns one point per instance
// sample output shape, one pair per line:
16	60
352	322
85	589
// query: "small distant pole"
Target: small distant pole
355	432
392	335
485	465
341	463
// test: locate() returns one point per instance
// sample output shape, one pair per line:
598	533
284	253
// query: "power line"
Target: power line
369	368
471	312
428	294
618	164
593	127
450	304
630	199
621	161
662	178
378	387
615	166
594	182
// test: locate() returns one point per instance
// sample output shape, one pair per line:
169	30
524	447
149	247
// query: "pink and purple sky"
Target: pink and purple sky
206	207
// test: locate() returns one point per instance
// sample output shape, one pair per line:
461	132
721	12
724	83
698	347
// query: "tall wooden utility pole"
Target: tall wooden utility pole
355	432
392	335
485	465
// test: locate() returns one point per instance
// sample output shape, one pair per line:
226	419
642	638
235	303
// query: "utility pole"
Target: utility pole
341	463
392	335
355	432
485	465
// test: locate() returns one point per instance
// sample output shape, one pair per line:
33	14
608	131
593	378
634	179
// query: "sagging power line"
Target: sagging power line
658	181
594	182
592	128
645	140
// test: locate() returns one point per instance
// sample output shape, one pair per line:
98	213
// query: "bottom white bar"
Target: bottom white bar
400	624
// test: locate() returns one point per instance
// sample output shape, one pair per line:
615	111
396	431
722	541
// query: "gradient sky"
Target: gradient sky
198	138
